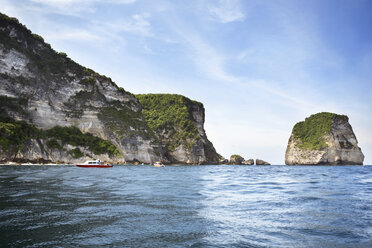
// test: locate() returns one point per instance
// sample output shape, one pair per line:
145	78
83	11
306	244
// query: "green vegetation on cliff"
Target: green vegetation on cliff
236	157
310	133
11	104
74	137
171	115
13	135
124	122
76	153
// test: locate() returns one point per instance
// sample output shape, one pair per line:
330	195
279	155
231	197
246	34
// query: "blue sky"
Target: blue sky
258	66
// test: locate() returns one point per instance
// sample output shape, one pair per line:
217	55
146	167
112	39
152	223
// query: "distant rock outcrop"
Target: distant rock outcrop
323	139
248	162
223	161
261	162
236	159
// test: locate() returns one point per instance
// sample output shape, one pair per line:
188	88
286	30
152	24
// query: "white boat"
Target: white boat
94	163
159	164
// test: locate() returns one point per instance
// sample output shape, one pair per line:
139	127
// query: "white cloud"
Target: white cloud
89	29
213	64
207	59
227	11
71	7
77	2
138	24
103	31
9	8
74	35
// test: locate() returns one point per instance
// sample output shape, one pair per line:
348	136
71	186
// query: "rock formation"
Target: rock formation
223	161
248	162
261	162
43	89
236	159
323	139
178	123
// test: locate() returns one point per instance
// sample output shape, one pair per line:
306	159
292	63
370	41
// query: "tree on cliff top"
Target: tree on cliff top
310	133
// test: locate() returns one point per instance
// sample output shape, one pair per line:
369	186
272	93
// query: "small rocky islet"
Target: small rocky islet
53	110
323	139
236	159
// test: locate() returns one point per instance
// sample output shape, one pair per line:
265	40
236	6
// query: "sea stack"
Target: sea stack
236	159
323	139
248	162
261	162
178	123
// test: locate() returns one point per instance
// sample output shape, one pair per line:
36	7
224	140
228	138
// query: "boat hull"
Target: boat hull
94	165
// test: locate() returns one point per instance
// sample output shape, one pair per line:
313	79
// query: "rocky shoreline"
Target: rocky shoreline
50	162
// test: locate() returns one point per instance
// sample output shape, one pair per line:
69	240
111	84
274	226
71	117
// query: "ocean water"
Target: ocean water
186	206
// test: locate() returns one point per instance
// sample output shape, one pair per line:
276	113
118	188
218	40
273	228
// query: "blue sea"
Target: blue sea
186	206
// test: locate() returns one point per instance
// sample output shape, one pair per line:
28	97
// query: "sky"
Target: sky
258	66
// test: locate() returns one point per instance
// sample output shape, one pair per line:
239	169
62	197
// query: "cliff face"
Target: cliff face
323	139
178	123
46	91
23	142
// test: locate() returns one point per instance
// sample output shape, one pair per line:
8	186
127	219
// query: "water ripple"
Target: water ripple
186	206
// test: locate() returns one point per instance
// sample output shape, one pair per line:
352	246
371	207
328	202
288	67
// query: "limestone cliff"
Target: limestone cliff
44	91
48	89
23	142
178	123
323	139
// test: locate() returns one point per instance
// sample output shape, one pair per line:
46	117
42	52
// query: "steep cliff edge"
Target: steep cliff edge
178	123
323	139
55	110
47	89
